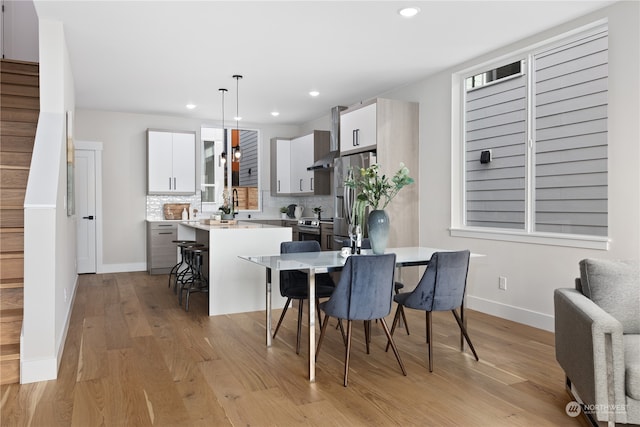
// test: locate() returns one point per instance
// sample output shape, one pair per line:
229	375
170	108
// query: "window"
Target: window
542	121
218	168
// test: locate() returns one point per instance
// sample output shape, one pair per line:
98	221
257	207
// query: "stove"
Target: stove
309	223
309	229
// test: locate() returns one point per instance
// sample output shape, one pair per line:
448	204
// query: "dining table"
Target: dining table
314	263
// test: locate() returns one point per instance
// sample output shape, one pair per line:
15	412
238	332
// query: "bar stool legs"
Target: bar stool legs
198	281
176	269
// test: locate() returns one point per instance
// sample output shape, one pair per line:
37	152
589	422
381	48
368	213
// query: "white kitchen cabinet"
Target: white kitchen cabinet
281	153
290	159
171	161
301	159
358	129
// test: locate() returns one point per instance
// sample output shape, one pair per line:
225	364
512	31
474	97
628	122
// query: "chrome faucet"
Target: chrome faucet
234	201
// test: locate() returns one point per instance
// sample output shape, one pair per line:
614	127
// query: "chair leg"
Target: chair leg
404	319
300	308
346	352
427	328
429	341
322	331
393	345
284	311
318	312
464	332
367	333
393	325
339	326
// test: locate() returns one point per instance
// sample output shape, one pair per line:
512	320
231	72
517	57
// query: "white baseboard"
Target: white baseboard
121	268
510	312
32	371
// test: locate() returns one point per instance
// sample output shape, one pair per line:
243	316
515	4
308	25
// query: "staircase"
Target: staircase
20	106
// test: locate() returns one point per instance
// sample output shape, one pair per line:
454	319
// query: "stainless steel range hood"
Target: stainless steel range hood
326	162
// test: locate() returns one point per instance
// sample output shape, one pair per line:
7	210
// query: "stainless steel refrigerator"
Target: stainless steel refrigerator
344	197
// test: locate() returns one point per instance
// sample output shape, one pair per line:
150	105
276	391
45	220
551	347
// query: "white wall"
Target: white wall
534	271
19	31
50	235
124	177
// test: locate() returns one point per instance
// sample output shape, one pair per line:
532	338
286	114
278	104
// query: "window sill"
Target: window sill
566	240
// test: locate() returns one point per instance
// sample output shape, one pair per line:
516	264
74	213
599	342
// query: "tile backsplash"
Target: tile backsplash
270	205
156	203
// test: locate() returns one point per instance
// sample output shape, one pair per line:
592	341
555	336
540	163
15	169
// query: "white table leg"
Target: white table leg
268	308
312	325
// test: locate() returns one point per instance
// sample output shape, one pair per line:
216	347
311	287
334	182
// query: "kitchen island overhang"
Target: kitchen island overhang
234	285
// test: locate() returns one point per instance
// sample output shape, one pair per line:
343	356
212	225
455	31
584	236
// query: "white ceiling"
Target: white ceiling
157	56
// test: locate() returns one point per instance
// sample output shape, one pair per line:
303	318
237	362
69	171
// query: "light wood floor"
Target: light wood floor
133	357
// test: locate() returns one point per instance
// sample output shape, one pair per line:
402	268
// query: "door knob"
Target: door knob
88	217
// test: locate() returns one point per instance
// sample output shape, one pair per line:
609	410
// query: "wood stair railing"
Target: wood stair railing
19	111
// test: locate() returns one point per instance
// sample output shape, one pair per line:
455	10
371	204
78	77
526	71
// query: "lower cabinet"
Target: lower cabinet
161	251
326	236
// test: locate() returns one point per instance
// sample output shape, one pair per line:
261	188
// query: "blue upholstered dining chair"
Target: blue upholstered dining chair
441	288
366	244
363	292
294	284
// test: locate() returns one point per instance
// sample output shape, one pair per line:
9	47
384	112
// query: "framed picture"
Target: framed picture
71	202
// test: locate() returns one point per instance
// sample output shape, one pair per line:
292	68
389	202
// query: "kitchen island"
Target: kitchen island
234	285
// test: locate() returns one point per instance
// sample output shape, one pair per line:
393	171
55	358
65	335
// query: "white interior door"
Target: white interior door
85	181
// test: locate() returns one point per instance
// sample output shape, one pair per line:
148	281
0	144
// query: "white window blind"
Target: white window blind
558	101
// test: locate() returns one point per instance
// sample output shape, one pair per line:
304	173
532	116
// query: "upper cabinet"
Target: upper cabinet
301	158
171	161
290	159
358	129
280	166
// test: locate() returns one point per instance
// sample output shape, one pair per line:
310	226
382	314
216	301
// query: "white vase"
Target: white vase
298	211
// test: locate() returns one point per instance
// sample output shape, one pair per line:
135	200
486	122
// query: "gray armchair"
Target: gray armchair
597	333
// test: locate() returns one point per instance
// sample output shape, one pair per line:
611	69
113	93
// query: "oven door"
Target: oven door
309	233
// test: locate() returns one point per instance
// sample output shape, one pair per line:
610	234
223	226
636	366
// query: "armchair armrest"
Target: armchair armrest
589	348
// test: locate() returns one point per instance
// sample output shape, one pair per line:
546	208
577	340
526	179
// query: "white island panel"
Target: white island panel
236	286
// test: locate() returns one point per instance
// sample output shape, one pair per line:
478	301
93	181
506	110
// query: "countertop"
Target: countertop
290	220
239	225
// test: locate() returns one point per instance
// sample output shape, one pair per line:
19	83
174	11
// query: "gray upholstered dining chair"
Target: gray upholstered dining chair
363	292
441	288
294	284
366	244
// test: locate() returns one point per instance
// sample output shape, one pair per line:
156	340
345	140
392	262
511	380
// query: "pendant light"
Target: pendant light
223	155
236	150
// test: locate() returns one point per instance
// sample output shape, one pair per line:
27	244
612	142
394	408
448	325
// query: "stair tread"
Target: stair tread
11	255
11	229
11	315
14	167
11	283
9	351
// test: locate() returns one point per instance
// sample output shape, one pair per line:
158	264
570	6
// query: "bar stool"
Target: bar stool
177	268
184	276
199	283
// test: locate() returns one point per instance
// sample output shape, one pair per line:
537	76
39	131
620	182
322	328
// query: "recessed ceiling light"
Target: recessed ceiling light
314	93
237	118
409	12
275	113
190	106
